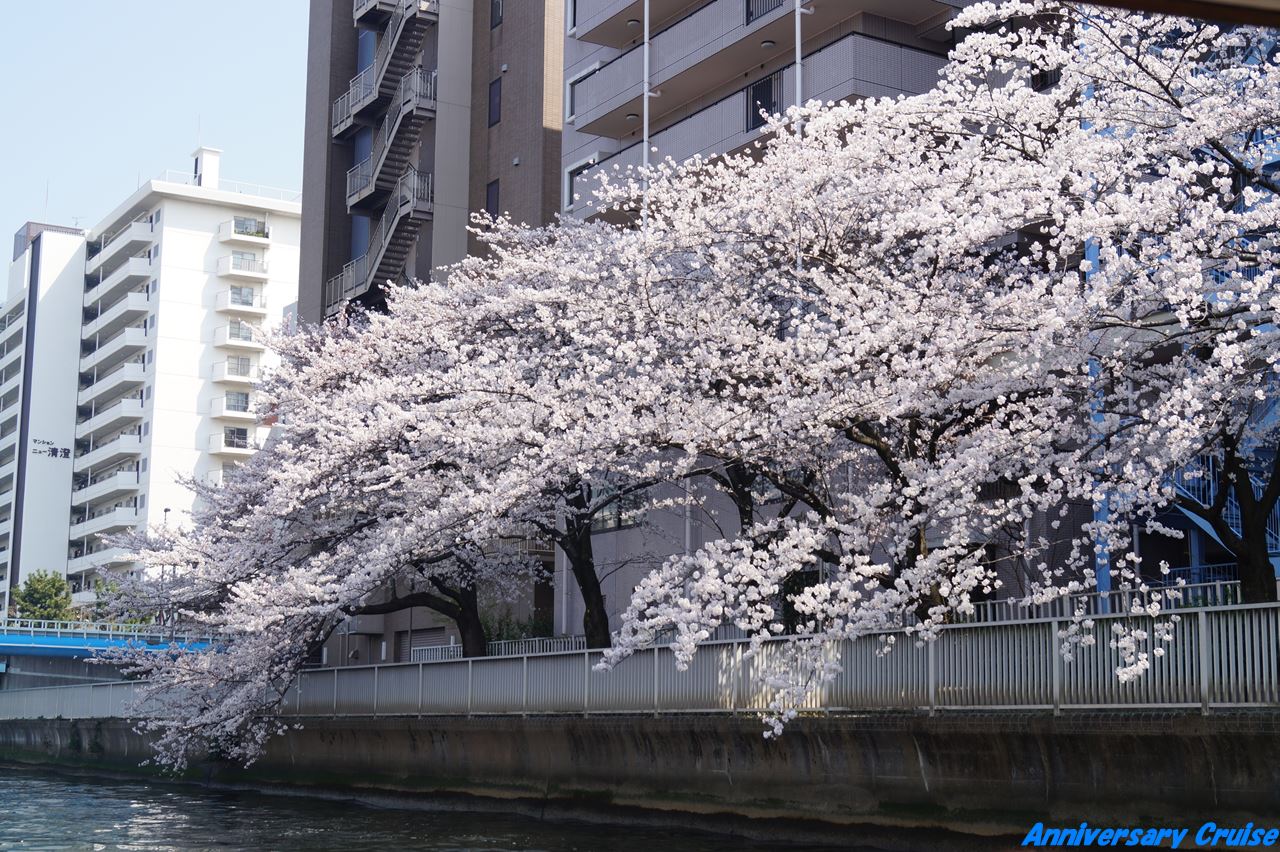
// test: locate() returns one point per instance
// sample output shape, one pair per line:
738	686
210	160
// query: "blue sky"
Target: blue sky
100	93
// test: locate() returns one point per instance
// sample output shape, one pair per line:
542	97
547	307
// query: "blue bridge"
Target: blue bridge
80	639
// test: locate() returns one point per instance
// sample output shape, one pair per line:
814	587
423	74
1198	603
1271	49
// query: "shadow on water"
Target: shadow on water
47	809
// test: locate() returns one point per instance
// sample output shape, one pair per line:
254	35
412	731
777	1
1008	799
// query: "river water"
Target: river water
43	810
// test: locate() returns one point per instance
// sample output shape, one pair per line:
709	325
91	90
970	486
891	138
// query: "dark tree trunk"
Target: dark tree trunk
575	542
1257	577
474	641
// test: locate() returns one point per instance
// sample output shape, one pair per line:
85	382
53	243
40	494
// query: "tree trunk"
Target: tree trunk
1257	576
575	543
474	641
595	618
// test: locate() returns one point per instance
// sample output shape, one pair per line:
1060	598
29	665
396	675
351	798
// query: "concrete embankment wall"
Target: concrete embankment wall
988	773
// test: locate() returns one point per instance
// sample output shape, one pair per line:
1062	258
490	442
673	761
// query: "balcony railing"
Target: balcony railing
233	371
233	264
244	228
834	72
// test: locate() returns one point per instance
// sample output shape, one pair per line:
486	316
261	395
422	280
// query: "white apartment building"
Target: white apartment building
128	360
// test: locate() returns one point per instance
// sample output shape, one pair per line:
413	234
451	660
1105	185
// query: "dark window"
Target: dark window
495	102
236	437
491	199
1042	80
760	8
495	13
763	96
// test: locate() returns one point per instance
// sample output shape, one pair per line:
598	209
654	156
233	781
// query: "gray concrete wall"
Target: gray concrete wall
983	774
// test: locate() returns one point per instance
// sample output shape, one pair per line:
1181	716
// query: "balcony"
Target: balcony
410	206
723	41
134	271
372	13
237	302
221	445
108	521
125	311
103	557
111	418
231	373
248	268
853	67
220	410
112	383
397	53
124	343
245	231
243	337
122	483
130	239
412	106
110	451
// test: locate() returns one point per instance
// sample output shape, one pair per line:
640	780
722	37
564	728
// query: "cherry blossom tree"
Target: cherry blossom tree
893	334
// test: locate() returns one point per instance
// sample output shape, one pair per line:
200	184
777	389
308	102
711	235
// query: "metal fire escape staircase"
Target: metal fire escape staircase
413	105
409	206
397	54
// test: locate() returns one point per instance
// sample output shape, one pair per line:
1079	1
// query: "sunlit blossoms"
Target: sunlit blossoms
898	337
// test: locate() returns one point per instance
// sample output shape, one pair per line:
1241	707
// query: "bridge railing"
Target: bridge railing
150	633
1219	658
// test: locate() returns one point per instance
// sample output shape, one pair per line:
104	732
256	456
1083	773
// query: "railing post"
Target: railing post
524	690
1202	625
737	677
375	689
1056	659
586	685
931	667
469	684
421	678
335	692
655	680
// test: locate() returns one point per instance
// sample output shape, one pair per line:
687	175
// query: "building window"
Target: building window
495	102
495	13
491	199
239	366
249	226
236	437
237	401
571	184
759	8
240	330
763	97
242	295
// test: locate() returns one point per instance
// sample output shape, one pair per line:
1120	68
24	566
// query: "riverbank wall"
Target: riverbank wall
982	773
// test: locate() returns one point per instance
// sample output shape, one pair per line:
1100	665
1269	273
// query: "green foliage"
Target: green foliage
45	596
502	625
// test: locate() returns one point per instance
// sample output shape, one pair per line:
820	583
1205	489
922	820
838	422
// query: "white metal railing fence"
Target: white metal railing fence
98	630
1169	597
1220	658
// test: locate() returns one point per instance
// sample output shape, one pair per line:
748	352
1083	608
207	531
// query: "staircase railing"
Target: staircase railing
369	82
411	189
417	87
1199	482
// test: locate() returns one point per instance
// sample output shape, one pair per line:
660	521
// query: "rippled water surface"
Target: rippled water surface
50	811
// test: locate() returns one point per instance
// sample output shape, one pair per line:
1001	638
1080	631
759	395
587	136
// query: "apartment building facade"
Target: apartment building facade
131	353
715	66
419	114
